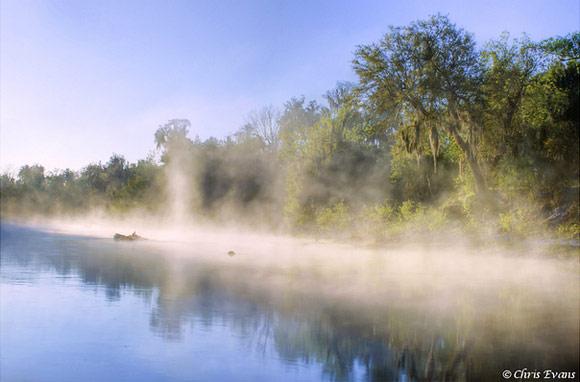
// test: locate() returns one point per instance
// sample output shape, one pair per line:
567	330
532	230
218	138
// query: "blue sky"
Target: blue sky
80	79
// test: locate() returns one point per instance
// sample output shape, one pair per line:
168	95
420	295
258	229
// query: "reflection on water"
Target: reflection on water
79	308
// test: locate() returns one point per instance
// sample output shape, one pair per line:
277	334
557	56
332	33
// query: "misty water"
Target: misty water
80	308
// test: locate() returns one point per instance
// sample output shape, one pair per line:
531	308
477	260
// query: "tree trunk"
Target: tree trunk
468	152
434	142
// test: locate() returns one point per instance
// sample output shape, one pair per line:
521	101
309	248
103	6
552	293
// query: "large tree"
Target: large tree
426	76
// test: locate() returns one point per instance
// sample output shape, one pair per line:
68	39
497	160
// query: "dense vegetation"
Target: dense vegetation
435	134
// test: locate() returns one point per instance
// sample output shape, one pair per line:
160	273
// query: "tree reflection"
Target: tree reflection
392	341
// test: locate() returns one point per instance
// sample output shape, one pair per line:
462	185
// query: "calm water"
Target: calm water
85	309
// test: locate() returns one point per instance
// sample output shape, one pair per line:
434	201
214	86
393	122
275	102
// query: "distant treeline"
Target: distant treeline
435	132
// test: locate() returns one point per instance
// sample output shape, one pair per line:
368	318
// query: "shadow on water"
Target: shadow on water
370	340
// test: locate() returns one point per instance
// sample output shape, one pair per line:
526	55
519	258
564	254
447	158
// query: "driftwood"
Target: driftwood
131	237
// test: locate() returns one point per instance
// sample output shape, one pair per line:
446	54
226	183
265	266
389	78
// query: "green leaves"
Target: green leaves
426	74
564	48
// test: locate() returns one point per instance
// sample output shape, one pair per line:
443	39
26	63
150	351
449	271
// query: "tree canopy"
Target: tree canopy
435	129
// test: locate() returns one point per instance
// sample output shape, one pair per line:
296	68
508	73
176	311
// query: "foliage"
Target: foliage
426	76
333	218
435	133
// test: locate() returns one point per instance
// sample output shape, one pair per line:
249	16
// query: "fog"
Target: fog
439	271
438	275
429	209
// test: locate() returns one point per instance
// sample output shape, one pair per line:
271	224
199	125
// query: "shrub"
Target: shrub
334	217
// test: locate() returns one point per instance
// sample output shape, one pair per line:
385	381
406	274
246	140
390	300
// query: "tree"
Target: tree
93	178
117	172
426	76
32	177
8	189
510	66
264	124
551	111
172	138
342	95
295	122
564	48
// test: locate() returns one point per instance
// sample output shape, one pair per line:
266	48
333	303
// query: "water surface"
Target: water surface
76	308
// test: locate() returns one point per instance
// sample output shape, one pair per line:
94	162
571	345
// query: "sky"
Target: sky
81	80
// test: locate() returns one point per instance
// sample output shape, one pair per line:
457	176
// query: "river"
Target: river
82	308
